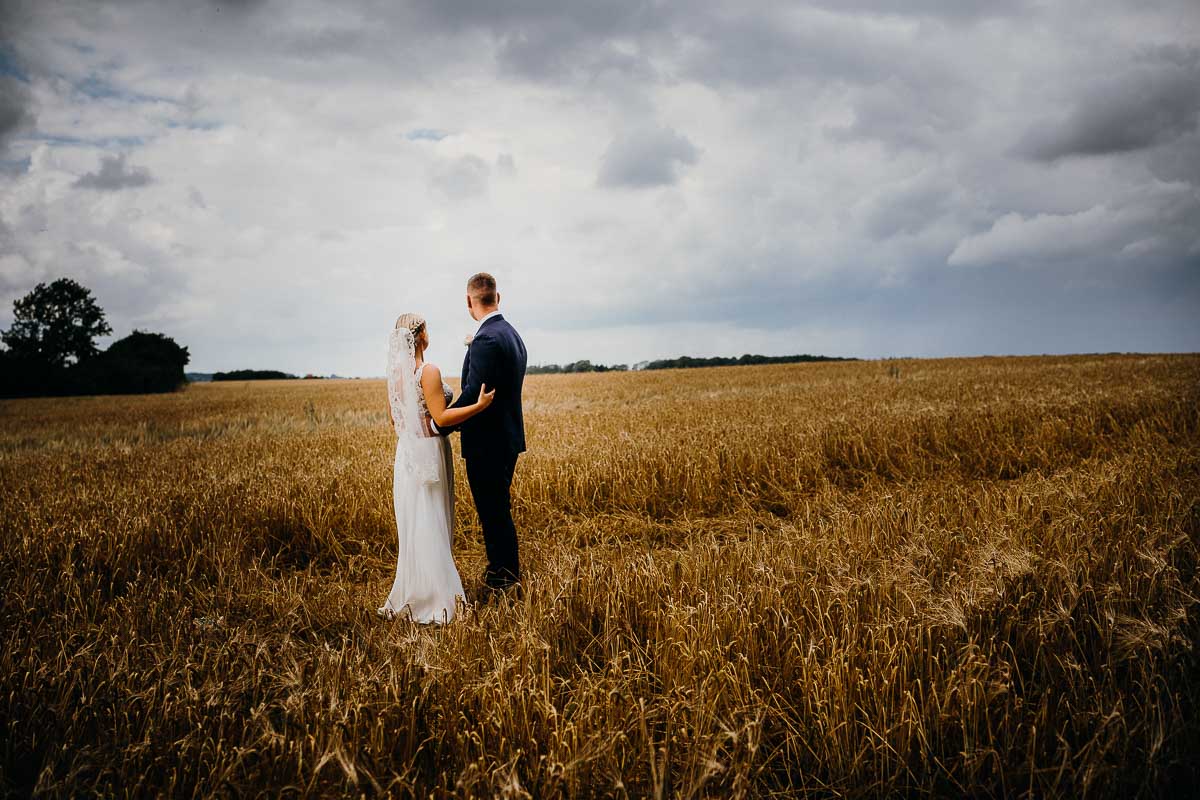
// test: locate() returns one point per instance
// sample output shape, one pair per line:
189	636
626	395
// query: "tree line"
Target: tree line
576	366
687	362
683	362
50	349
255	375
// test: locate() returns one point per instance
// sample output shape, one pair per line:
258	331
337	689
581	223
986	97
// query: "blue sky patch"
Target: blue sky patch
8	66
425	135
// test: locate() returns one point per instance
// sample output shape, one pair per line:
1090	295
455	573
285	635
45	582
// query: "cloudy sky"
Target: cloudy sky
271	183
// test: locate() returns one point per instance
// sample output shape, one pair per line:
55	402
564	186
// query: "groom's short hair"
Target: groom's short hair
482	287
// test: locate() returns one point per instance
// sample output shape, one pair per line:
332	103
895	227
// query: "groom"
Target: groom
492	440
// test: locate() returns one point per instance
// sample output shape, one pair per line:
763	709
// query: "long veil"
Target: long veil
418	461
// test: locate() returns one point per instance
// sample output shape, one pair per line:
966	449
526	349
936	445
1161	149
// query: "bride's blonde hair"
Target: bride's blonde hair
414	322
416	325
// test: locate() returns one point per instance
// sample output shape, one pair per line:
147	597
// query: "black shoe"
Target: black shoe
485	595
498	580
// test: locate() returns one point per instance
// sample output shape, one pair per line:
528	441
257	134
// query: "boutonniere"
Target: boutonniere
467	340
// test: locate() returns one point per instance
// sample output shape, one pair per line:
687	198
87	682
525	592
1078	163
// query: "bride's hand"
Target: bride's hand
485	397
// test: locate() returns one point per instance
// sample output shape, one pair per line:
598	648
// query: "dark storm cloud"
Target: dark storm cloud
1144	108
14	16
908	209
16	109
1180	161
114	174
237	5
8	245
906	114
937	312
714	42
16	99
554	24
947	10
548	40
551	41
645	158
757	50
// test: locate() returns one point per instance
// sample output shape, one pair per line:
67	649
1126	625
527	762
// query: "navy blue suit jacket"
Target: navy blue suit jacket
496	357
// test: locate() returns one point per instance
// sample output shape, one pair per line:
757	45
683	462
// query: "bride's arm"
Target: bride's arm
435	401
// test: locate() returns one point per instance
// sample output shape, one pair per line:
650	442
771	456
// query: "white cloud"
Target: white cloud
1099	232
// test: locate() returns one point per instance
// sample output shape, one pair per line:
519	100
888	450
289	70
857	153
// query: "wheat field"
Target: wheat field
917	578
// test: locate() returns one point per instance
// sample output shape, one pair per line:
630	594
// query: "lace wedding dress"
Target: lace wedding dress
427	584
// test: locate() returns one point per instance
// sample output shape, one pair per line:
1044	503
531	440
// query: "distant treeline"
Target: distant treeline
683	362
578	366
686	362
50	349
253	375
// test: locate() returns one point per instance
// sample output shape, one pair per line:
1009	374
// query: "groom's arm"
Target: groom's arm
485	354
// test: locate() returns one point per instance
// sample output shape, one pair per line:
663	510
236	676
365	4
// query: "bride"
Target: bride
427	583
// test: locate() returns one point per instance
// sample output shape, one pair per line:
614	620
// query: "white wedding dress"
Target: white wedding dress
427	585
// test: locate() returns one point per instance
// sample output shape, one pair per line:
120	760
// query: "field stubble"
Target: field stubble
923	577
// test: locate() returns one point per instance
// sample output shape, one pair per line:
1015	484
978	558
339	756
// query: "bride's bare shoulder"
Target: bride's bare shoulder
431	374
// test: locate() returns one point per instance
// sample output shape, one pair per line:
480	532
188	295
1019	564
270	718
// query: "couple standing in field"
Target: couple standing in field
488	415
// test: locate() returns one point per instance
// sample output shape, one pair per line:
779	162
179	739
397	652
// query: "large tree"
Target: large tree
142	362
56	325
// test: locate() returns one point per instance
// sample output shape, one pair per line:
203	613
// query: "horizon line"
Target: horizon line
831	359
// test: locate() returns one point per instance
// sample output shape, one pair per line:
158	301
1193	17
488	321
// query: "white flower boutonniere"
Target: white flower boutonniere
467	340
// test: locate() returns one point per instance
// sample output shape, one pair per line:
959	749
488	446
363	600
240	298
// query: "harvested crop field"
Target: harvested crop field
945	577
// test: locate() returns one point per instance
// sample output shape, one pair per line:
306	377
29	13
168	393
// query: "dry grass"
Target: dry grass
961	576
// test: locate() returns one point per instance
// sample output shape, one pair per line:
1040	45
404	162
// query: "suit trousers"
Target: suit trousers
491	485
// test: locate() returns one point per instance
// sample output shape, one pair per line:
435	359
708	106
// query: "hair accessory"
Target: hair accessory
411	321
